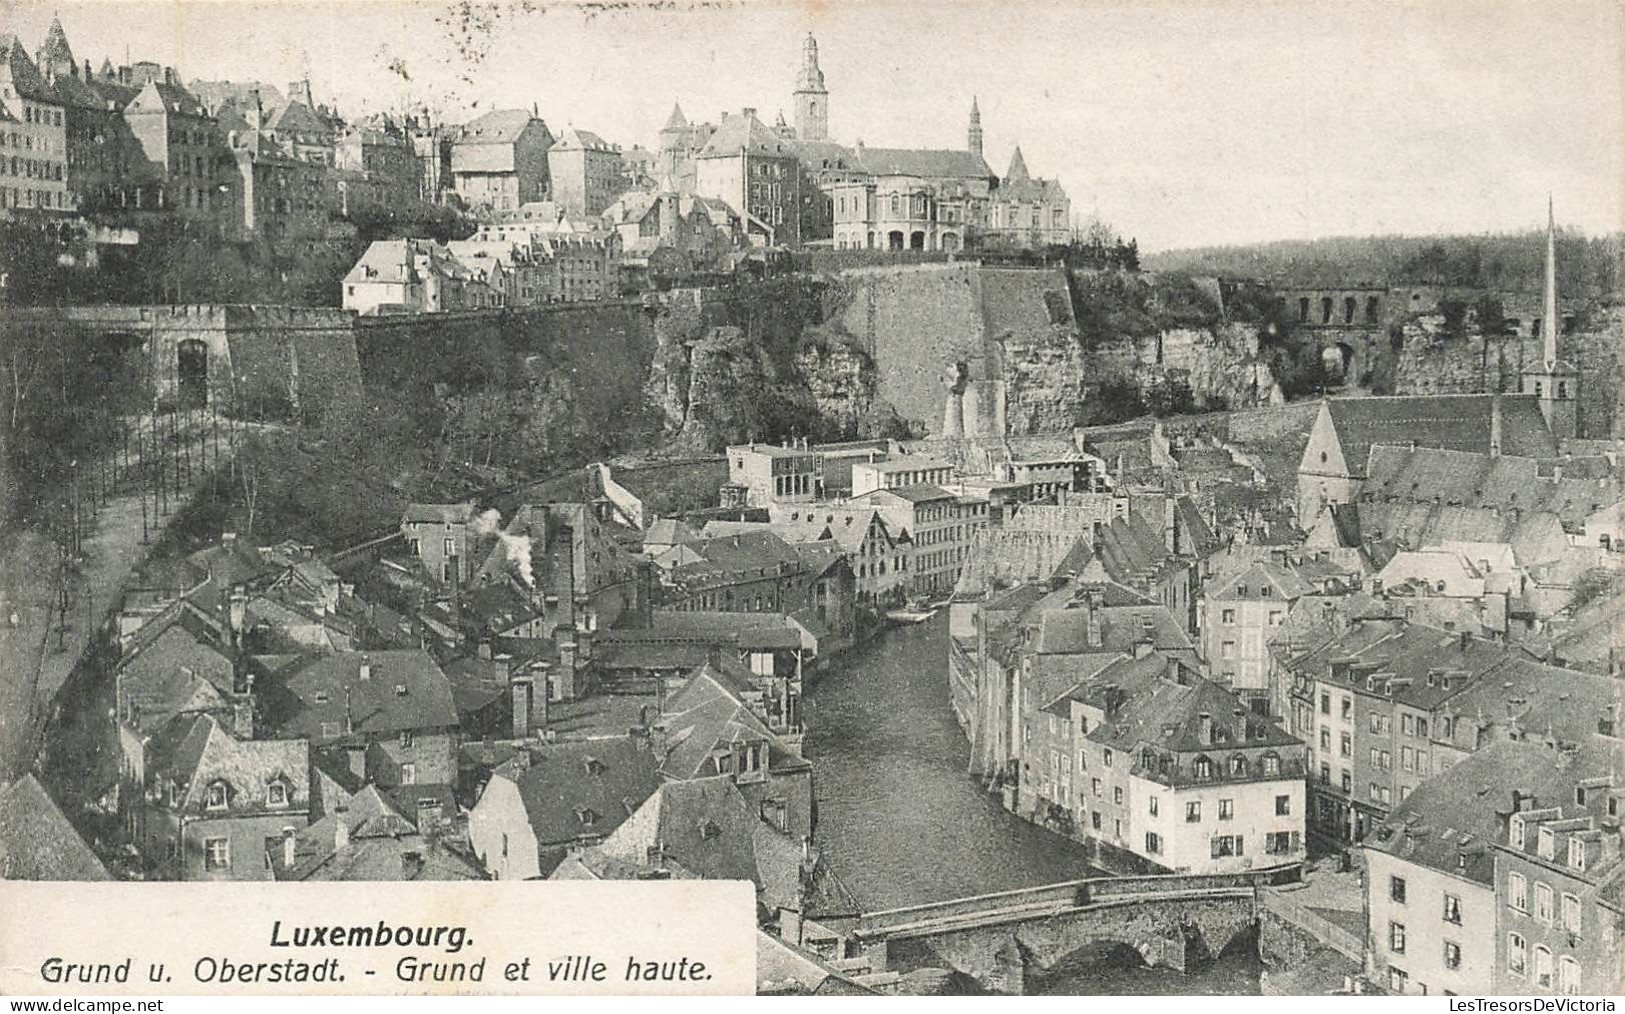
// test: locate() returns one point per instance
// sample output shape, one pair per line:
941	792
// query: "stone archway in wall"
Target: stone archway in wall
192	373
916	241
894	240
1337	361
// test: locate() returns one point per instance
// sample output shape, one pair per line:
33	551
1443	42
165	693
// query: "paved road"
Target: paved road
32	665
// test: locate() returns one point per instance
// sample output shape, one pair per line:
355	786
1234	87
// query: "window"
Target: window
1543	967
1325	774
1571	913
1238	765
1153	805
1272	764
1568	980
1226	845
1345	745
1517	892
1227	616
216	799
1282	843
1347	781
1452	954
1452	909
217	853
1543	903
409	774
1094	820
1106	757
1577	853
408	739
1325	704
1396	937
1517	955
1283	806
1193	812
1117	794
1396	889
1548	843
1397	980
1204	769
1348	708
1227	649
1326	740
1227	809
1094	785
276	794
1153	843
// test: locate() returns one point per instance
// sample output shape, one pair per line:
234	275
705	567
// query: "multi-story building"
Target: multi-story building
1173	770
941	528
35	156
762	474
1557	877
1239	616
282	198
895	472
499	161
1387	705
177	134
208	801
1452	894
587	172
576	267
390	713
1027	211
381	149
879	555
421	276
756	172
445	538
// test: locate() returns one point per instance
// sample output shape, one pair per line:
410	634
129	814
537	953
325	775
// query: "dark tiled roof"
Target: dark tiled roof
585	788
745	131
1450	821
1459	422
196	752
36	840
501	126
928	163
404	691
705	716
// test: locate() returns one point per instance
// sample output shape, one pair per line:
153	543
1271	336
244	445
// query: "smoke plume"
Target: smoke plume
487	522
518	549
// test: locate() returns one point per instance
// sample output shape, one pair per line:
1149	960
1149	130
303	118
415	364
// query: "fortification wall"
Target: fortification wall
1432	360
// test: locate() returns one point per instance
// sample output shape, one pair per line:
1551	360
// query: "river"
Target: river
902	823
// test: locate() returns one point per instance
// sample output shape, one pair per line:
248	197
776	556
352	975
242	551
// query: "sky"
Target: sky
1180	124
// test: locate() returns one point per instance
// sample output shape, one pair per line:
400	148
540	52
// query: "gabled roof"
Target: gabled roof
172	671
298	119
584	789
1450	822
676	121
574	139
706	827
36	840
500	126
195	752
744	131
24	76
167	99
381	843
1169	715
402	690
705	717
1458	422
1284	583
928	163
1017	173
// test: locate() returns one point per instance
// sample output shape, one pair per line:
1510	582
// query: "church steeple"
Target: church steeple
1553	382
55	56
973	137
1549	302
812	98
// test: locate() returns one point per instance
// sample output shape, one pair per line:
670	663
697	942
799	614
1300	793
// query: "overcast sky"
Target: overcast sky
1184	124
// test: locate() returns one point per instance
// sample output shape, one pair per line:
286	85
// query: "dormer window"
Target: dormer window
1238	765
1203	769
276	794
1272	764
1515	832
709	831
1548	843
216	796
1577	853
587	816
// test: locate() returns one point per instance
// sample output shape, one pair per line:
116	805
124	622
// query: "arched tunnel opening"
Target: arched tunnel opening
1107	963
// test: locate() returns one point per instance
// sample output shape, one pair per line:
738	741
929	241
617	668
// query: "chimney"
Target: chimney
567	668
341	829
522	687
1463	639
1170	524
1495	424
749	111
364	673
1095	634
287	847
237	616
484	650
1204	729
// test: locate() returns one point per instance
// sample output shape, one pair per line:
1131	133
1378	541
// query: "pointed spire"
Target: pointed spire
676	121
1017	173
973	137
1549	331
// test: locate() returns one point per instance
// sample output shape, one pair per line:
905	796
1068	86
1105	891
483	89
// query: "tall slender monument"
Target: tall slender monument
973	137
812	98
1554	382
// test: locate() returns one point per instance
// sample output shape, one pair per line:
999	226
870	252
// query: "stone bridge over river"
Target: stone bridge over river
1172	921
